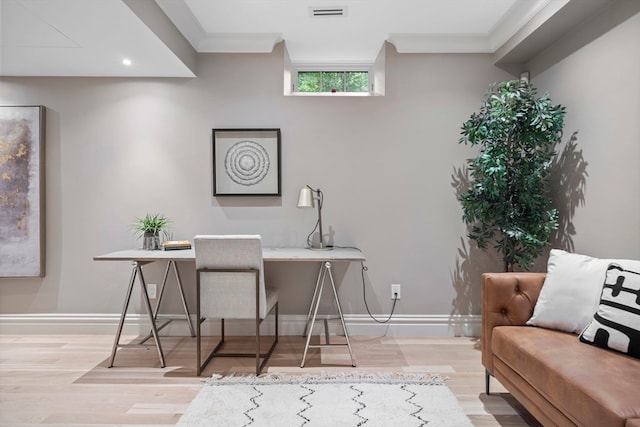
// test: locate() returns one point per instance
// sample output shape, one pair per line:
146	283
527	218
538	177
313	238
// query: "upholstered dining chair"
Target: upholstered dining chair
230	285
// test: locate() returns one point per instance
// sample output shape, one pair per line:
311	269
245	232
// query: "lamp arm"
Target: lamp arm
320	219
319	197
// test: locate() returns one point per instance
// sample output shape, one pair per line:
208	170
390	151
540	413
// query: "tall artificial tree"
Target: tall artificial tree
508	201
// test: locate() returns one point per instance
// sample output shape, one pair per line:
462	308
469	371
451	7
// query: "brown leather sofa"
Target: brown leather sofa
558	379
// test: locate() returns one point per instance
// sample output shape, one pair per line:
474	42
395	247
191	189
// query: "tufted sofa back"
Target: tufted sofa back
510	303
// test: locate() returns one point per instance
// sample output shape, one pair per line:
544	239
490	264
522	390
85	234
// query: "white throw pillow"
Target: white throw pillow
571	292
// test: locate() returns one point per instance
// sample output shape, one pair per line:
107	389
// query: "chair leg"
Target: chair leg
257	346
276	322
216	353
201	365
266	356
487	378
198	326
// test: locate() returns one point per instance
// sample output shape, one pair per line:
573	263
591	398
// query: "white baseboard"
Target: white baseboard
290	324
67	323
76	323
431	325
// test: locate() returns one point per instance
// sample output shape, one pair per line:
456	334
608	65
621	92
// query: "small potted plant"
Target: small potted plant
149	228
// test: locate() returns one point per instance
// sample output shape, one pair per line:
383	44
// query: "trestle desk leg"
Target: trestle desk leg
151	314
171	263
184	300
116	342
156	311
161	292
321	271
344	326
313	321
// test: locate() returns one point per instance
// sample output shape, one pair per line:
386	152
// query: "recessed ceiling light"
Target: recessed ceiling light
126	61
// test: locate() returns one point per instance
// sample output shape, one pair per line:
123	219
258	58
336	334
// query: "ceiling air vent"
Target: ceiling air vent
328	11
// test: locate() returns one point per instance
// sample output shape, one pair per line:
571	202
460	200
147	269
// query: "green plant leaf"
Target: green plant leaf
508	199
151	224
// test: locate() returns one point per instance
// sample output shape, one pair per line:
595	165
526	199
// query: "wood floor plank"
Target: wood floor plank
63	380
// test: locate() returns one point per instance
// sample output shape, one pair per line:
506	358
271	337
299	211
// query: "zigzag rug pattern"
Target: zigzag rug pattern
326	400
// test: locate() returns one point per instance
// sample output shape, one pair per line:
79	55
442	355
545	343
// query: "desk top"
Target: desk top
269	254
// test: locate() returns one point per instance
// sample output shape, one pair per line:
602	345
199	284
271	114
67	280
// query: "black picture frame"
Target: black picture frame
246	162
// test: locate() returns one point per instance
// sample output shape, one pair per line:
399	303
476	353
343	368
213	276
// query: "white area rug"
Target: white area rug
336	400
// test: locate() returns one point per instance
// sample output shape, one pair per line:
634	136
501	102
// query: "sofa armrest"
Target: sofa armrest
507	299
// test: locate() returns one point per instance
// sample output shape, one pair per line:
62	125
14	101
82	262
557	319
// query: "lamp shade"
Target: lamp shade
305	200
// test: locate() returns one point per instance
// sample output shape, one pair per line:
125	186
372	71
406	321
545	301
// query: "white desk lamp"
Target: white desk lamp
306	200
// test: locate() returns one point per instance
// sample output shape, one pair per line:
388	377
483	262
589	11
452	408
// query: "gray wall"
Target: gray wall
118	148
600	86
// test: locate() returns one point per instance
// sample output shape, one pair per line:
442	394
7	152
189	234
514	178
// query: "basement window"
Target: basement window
332	81
335	79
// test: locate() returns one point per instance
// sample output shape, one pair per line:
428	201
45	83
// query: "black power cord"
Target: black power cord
364	290
364	297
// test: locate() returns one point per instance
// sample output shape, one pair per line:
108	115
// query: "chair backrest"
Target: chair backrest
230	295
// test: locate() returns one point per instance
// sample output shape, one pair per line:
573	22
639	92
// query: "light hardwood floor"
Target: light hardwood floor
63	380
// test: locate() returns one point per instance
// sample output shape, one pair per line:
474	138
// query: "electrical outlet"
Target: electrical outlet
151	290
395	291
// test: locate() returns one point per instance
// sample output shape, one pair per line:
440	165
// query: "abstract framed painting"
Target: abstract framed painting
22	204
246	162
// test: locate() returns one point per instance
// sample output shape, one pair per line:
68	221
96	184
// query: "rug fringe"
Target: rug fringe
325	377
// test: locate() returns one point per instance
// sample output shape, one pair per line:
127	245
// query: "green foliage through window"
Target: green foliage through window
333	81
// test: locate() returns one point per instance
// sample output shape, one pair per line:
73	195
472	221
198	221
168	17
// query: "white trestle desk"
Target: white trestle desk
139	257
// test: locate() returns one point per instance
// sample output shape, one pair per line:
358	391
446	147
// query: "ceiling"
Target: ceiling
355	35
162	37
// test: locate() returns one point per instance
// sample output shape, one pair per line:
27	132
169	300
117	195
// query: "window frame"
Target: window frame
334	68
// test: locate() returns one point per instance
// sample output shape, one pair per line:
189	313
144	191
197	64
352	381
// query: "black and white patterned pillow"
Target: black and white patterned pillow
616	323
